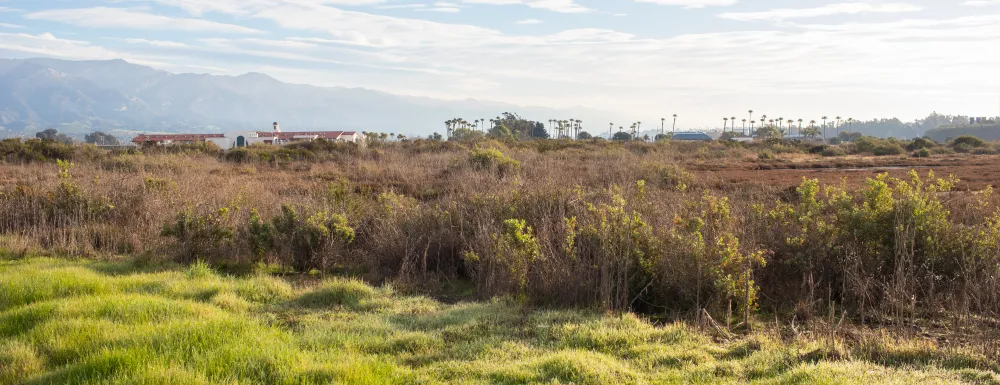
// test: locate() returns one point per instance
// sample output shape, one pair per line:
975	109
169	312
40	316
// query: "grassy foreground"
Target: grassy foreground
85	322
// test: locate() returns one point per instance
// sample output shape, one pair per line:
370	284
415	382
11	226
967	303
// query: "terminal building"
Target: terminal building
239	139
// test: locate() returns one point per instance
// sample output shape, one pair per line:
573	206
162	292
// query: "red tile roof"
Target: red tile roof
330	135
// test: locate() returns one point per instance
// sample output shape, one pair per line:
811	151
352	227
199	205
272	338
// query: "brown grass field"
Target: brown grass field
822	260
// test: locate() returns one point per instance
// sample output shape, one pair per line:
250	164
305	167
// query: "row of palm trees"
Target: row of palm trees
573	127
636	127
478	125
382	136
779	124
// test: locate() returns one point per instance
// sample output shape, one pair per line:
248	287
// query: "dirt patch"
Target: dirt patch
974	172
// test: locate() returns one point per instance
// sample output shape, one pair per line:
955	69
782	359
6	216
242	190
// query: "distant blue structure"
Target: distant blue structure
692	136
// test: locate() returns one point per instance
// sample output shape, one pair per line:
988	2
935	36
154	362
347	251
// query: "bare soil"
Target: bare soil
974	172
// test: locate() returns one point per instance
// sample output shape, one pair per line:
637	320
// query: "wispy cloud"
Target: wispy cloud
564	6
980	3
826	10
157	43
855	61
692	3
117	18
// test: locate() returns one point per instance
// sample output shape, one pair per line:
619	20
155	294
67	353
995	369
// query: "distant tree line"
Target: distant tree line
96	137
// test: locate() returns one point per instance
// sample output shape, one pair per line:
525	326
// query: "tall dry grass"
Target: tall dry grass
605	225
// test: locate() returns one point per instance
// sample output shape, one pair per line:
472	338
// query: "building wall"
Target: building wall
350	138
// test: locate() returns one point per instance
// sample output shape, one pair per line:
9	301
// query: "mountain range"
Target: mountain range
78	97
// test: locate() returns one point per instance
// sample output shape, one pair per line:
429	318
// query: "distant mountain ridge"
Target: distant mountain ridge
77	97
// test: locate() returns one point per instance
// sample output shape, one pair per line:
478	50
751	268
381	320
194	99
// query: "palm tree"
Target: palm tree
611	129
663	124
733	119
752	122
725	122
838	126
751	119
790	123
744	127
674	127
824	127
800	126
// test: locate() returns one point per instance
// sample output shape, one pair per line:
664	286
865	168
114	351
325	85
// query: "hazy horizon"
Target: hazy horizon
701	59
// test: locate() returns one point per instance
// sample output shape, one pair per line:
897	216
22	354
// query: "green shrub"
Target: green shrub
35	150
833	151
203	235
967	142
886	149
922	153
921	144
307	242
766	154
492	159
268	154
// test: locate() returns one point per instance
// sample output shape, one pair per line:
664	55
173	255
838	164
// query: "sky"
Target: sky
700	59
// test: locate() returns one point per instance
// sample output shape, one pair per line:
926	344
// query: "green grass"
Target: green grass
85	322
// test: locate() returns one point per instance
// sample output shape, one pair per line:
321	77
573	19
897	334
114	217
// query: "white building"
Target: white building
238	139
